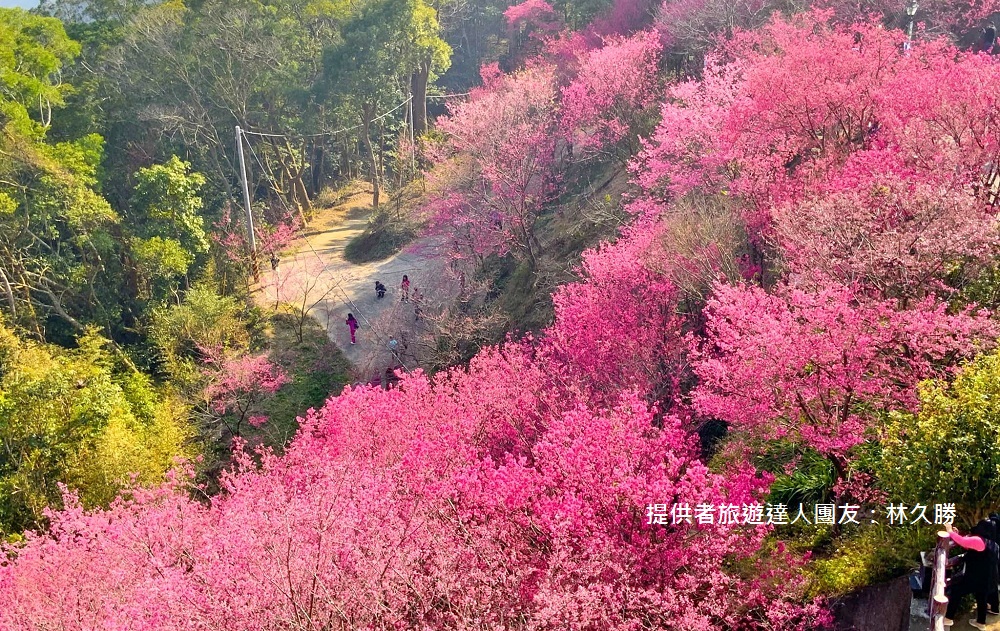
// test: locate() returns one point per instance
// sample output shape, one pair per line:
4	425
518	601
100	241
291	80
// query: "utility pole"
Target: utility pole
413	148
246	203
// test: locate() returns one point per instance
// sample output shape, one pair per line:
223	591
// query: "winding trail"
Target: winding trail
313	274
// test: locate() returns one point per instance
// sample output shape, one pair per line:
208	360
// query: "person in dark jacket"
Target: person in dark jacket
982	557
994	601
988	41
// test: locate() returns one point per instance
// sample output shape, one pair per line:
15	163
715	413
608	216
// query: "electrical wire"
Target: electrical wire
328	133
352	128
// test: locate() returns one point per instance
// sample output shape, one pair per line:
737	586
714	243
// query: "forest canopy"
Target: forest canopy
660	274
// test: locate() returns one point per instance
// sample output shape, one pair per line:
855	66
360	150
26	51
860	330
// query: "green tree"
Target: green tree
73	417
33	49
58	235
167	204
950	450
194	72
386	46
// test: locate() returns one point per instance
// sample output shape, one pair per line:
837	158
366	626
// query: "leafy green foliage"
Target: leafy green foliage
382	44
32	50
76	418
809	483
167	204
203	320
159	261
871	554
949	451
58	249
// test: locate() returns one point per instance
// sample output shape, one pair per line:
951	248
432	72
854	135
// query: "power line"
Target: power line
446	96
328	133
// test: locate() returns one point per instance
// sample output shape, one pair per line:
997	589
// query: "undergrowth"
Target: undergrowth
385	235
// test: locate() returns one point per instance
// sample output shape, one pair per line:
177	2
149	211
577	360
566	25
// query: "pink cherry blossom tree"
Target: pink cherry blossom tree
237	384
819	368
499	156
613	86
619	324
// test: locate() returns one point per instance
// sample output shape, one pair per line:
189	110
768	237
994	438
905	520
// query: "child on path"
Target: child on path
352	324
405	288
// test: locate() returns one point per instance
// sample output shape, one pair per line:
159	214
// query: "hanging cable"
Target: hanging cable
328	133
446	96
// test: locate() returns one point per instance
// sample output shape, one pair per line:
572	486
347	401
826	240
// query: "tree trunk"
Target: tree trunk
839	474
319	156
366	123
9	292
294	175
418	85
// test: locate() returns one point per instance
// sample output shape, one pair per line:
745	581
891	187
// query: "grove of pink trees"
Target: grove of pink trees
513	493
499	163
613	84
474	500
496	163
778	113
859	172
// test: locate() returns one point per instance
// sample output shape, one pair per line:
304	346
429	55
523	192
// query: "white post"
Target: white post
246	203
938	602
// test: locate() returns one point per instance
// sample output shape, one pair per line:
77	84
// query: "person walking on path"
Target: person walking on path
417	299
379	290
980	578
405	288
352	324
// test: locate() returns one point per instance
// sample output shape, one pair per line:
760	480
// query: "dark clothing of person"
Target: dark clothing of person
959	591
994	597
379	289
988	41
981	567
982	573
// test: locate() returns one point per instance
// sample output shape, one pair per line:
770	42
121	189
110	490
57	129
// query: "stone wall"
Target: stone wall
882	607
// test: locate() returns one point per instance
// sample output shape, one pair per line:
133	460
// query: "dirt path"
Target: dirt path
920	621
315	275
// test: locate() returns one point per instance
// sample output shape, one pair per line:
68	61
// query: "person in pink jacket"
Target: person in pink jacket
352	324
981	573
